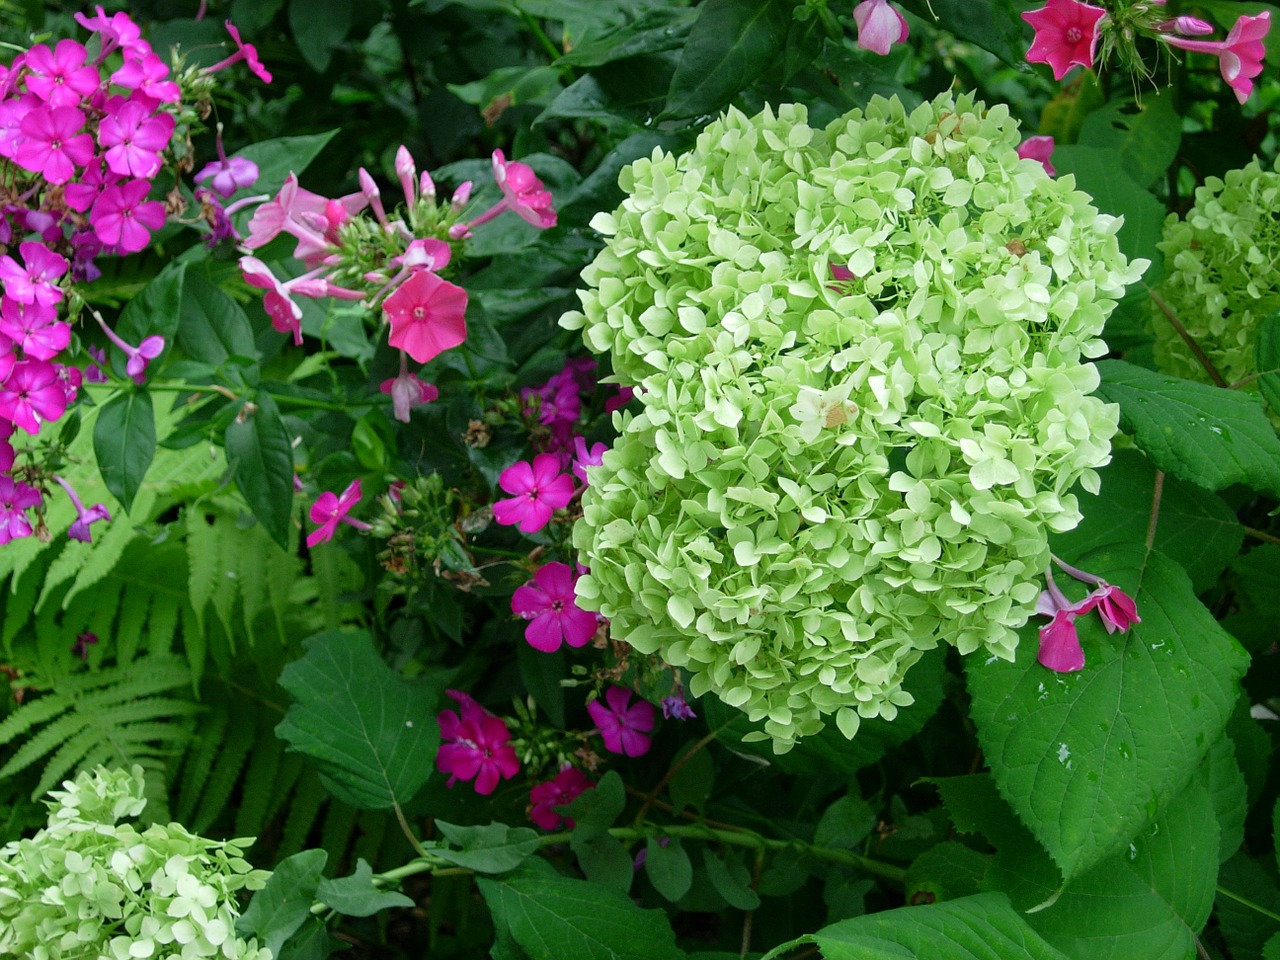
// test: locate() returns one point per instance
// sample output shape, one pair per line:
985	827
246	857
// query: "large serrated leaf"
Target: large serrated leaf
1087	759
1207	435
732	42
371	733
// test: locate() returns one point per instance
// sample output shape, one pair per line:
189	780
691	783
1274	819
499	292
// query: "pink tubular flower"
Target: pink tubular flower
1186	26
138	357
539	489
1060	648
85	516
1239	56
623	726
522	193
880	26
476	746
134	138
564	788
54	145
123	218
244	51
33	393
16	498
406	173
427	316
34	328
116	31
329	510
1066	34
1114	606
1041	149
33	283
550	606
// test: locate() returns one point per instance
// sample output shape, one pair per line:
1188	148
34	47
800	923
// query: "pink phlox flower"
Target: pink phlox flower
123	218
1060	648
313	219
136	358
407	392
475	746
71	378
85	245
59	77
134	138
33	327
623	726
115	31
1066	34
1116	608
539	489
244	51
371	193
12	112
550	605
584	458
34	282
1040	149
285	314
427	316
54	145
329	510
32	394
621	399
82	195
7	361
16	498
523	192
1186	26
562	789
215	215
556	401
461	195
676	708
93	373
228	175
407	173
85	516
149	75
880	26
1240	56
425	253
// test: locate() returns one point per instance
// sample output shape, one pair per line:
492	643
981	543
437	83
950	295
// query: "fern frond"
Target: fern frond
226	772
309	797
263	780
199	760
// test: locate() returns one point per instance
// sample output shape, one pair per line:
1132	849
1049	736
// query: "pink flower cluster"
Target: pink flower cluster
476	745
1060	648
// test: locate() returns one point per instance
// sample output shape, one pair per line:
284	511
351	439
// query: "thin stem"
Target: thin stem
408	832
540	35
283	400
1189	340
1249	903
1156	493
1260	534
675	768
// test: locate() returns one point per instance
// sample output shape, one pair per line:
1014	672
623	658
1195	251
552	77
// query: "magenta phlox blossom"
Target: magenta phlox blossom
34	282
475	746
134	138
34	328
1060	648
880	26
85	516
59	77
1066	35
427	316
116	32
82	194
123	218
562	789
1186	26
1239	56
556	401
408	391
624	396
523	192
12	113
1116	608
583	458
148	75
53	146
550	606
228	175
32	393
16	498
331	509
1039	149
244	51
623	725
425	253
285	314
539	489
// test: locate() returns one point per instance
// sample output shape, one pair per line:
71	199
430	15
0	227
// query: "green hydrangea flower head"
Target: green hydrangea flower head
90	885
1223	274
863	400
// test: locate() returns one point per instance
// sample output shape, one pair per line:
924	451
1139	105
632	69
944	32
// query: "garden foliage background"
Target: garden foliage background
290	692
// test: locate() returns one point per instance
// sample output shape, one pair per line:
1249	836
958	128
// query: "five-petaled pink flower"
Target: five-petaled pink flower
134	138
33	283
624	726
567	785
59	76
1239	56
427	316
476	745
122	217
1040	149
16	498
880	26
539	489
33	393
524	193
54	145
1066	34
550	606
330	509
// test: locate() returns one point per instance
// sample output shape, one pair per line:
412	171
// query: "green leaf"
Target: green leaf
603	859
284	904
1207	435
156	311
1244	928
493	848
1227	790
259	451
597	809
993	25
371	733
1271	950
213	326
124	443
731	880
282	156
732	42
1145	135
658	30
357	895
319	26
845	824
982	927
668	867
947	871
691	786
631	90
550	916
1195	528
1087	759
1268	357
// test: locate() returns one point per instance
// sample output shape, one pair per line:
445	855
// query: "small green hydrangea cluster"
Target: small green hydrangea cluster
859	353
1223	279
88	887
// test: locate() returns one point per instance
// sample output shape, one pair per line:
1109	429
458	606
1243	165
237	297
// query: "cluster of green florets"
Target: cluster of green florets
1223	279
88	887
830	476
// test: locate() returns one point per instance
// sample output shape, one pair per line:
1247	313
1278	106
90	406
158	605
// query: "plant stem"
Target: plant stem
1249	903
666	778
1260	534
1156	493
283	400
1189	340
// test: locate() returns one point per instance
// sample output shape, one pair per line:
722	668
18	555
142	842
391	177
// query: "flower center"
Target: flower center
1074	34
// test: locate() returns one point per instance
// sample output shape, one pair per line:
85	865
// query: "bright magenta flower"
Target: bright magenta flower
879	26
85	516
1041	149
583	458
539	489
148	74
550	606
1239	56
408	391
1060	648
33	393
135	137
524	193
566	786
16	498
427	316
475	746
244	51
34	328
123	218
34	282
624	726
54	145
59	76
1066	35
329	510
